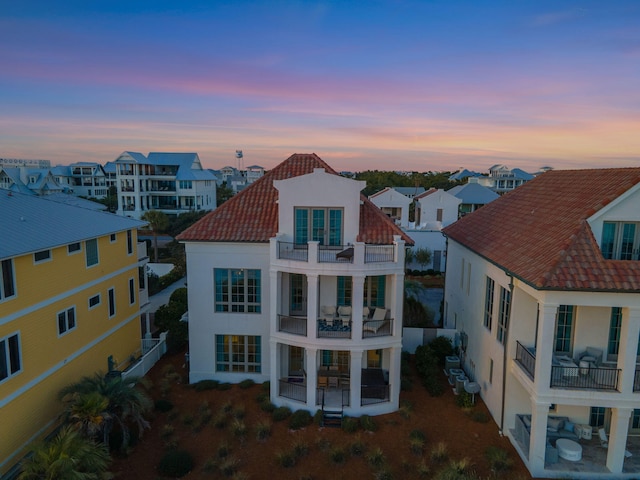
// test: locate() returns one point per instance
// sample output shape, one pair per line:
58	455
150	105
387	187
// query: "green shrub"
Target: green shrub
419	434
433	385
357	447
262	397
263	430
300	448
350	424
338	454
368	423
300	419
220	420
176	463
498	459
227	407
286	459
210	465
318	417
238	428
206	385
268	407
440	453
423	469
248	383
416	445
376	457
167	431
281	413
464	400
223	449
239	412
384	474
163	405
405	409
224	386
266	386
457	470
442	348
229	466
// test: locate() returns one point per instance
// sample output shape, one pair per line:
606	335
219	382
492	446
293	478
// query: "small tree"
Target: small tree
158	222
423	256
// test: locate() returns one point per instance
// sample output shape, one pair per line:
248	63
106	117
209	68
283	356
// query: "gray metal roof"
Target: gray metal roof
31	223
473	193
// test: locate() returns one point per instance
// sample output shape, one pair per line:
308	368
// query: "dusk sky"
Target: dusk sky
390	85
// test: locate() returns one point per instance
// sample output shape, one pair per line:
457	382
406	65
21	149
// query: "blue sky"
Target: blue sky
431	85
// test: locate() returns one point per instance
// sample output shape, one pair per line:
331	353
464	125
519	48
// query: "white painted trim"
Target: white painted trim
58	366
45	303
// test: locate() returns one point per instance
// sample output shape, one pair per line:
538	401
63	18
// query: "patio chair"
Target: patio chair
379	314
329	314
604	442
591	355
344	311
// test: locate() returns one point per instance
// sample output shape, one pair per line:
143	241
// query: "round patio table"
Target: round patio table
569	450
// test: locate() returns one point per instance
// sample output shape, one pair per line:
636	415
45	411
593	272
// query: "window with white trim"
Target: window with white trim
237	290
129	242
132	291
503	315
322	225
111	295
94	301
10	361
620	240
563	341
91	252
488	303
7	281
42	256
74	248
66	320
238	353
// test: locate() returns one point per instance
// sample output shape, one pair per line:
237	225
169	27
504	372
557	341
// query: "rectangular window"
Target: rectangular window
74	248
488	303
296	360
94	301
439	214
344	291
298	294
132	291
597	416
374	358
491	370
237	290
238	353
10	362
91	252
111	294
112	237
620	240
322	225
42	256
142	278
615	324
66	320
564	327
503	315
7	286
374	291
129	242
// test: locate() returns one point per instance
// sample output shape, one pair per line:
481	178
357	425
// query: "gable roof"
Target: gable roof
31	223
539	231
252	214
473	193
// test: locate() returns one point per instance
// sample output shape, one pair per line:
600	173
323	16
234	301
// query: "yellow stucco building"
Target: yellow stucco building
70	298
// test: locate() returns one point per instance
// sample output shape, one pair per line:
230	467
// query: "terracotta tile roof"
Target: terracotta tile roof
539	231
252	214
425	194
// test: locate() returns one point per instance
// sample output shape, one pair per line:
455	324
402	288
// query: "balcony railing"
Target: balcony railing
589	378
335	254
294	325
377	328
378	253
338	329
293	251
293	388
636	381
526	359
372	394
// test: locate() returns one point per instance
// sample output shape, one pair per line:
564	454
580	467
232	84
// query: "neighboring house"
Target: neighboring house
473	196
88	179
502	179
253	173
393	204
463	174
409	192
544	288
172	183
34	181
110	175
299	280
70	298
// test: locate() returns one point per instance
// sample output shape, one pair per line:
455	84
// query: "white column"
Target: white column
395	376
618	438
312	306
544	346
356	378
397	300
629	332
274	300
356	306
311	368
274	370
538	437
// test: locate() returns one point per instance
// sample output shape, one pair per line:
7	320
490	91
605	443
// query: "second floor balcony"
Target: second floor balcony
569	374
338	328
359	253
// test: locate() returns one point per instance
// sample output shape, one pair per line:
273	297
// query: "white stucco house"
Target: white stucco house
298	279
393	204
543	286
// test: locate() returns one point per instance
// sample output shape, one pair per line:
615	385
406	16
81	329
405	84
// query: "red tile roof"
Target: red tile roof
425	194
252	214
539	233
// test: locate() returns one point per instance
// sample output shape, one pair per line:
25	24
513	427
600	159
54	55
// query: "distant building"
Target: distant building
85	179
393	204
172	183
473	196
